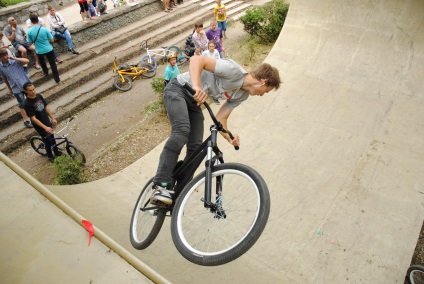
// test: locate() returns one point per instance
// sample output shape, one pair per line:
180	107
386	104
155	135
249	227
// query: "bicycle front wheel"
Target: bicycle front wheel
214	237
149	60
123	86
415	274
181	60
151	72
75	153
38	145
145	223
176	50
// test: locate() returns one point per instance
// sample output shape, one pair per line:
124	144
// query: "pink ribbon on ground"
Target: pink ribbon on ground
90	229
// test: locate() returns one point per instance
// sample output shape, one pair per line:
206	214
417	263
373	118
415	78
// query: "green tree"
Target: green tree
266	22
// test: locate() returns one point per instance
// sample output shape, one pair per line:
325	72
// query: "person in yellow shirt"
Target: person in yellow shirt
221	17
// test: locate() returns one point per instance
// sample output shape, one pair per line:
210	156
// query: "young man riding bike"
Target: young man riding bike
221	78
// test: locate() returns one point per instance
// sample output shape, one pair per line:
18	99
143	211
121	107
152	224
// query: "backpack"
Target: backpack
189	47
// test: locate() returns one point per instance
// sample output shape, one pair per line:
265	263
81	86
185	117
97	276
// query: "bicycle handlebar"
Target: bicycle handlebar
217	123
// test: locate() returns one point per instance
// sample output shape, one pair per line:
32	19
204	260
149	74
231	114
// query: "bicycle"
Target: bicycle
128	73
212	222
163	54
415	274
61	142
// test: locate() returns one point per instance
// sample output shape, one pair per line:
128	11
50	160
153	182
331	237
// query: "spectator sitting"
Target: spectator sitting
211	52
56	20
91	8
17	37
4	46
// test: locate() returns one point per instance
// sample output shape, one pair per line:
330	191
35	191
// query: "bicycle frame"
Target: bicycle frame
184	171
130	70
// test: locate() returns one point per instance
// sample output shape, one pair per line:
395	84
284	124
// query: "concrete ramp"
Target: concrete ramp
340	146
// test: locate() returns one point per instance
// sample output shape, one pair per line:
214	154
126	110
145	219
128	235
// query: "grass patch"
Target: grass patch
5	3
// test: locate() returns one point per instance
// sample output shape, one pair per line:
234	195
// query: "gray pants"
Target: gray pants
187	128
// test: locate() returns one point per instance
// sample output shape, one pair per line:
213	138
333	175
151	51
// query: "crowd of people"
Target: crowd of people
210	74
37	39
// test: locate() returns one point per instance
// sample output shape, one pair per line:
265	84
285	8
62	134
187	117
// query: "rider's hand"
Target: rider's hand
54	121
200	96
49	130
235	141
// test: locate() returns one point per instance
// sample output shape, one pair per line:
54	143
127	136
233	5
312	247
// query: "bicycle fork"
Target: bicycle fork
216	208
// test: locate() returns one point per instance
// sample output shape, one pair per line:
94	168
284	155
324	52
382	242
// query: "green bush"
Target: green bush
266	21
158	86
69	171
5	3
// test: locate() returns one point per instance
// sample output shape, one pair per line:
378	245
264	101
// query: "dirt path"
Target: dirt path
116	131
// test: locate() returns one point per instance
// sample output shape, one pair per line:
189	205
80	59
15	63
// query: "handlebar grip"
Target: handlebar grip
189	89
232	137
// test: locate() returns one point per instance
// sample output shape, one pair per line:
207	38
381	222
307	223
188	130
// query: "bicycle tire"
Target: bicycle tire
123	86
145	225
415	274
206	239
150	73
145	60
181	60
75	153
38	145
177	51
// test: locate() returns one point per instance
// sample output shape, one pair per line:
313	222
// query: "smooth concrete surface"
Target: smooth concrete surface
41	244
340	146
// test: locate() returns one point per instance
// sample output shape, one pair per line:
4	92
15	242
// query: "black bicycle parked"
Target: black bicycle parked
59	141
216	216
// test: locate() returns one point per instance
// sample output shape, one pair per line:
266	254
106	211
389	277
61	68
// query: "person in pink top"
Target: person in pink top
199	38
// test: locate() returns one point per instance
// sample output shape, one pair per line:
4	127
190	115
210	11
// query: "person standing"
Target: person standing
56	21
42	118
41	24
14	76
211	51
215	34
220	13
171	70
42	38
199	38
219	77
18	38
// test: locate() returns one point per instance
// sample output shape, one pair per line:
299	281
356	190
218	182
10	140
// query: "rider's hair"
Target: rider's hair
266	71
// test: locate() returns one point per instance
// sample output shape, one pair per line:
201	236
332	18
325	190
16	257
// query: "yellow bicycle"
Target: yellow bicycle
127	73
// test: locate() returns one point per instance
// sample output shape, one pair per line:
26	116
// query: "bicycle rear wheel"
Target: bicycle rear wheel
145	224
181	60
38	145
176	50
123	86
214	238
75	153
415	274
149	60
150	73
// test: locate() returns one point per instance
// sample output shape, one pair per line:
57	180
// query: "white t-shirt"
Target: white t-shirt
40	22
215	54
